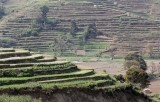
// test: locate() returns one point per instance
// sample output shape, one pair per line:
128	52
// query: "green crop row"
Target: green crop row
52	66
14	60
9	81
52	86
92	77
38	70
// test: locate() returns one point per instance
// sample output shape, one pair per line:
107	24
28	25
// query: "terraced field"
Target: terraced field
21	69
128	25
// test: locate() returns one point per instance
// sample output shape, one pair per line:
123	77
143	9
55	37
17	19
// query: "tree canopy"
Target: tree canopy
138	58
137	76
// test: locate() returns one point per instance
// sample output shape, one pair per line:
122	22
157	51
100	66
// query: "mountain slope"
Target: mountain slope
127	25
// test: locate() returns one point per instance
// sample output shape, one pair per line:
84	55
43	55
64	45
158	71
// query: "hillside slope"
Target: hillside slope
26	73
127	25
84	95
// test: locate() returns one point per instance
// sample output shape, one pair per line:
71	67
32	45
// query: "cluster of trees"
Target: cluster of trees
136	71
90	32
39	24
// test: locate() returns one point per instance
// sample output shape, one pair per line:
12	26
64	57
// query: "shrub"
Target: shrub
137	76
120	78
135	57
51	23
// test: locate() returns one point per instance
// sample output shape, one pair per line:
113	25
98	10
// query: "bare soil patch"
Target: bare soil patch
114	67
155	86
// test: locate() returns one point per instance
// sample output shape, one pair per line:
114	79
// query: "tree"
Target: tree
43	16
138	58
74	28
137	76
44	10
90	32
59	45
2	11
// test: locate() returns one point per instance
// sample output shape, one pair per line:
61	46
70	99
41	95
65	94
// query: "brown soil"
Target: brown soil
109	67
155	86
116	67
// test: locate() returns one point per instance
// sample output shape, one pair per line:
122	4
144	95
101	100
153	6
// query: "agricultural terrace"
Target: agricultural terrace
123	24
22	71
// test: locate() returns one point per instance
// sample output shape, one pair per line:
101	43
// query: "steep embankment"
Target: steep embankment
90	95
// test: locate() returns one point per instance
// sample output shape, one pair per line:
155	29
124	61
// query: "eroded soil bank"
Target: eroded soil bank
87	95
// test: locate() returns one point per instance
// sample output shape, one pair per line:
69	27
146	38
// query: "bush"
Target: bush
120	78
51	23
135	57
137	76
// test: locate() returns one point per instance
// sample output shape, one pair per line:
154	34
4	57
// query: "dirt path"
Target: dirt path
155	86
109	67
